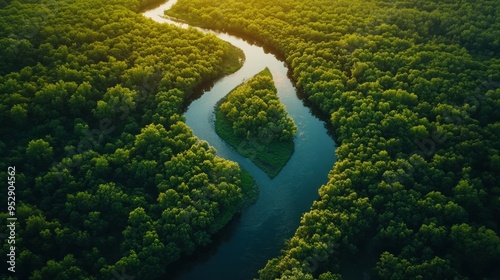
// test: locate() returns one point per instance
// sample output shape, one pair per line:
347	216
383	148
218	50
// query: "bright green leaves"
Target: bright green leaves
39	152
91	100
117	103
412	93
252	120
255	111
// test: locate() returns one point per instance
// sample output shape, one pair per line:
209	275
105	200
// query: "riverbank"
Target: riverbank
257	234
264	148
270	157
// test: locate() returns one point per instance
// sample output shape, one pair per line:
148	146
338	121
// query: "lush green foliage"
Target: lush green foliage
411	88
109	177
252	120
255	111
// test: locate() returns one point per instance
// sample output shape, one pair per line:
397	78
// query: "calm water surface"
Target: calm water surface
257	235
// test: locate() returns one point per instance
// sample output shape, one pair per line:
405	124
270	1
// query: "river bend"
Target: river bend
257	235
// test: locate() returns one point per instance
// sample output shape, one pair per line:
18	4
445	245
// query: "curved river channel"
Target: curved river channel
256	235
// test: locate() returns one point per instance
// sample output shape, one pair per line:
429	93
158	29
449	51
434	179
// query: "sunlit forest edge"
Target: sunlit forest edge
412	92
254	122
109	178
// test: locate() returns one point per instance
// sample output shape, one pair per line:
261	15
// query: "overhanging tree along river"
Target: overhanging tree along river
259	233
412	92
111	181
109	178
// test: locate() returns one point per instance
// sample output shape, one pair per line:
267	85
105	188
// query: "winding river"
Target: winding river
256	235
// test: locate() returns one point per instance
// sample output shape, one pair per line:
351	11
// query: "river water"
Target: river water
256	235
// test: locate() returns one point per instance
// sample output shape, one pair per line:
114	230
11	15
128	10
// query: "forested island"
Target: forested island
108	177
253	121
411	90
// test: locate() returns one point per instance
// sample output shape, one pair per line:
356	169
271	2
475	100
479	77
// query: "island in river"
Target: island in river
254	122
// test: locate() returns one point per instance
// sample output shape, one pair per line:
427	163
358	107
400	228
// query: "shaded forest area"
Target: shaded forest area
254	122
109	179
411	89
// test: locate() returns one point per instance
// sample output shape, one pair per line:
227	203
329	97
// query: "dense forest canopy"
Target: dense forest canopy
255	109
108	176
252	120
412	92
109	179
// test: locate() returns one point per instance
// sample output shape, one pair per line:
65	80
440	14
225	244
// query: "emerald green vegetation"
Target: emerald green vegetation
412	92
109	179
253	121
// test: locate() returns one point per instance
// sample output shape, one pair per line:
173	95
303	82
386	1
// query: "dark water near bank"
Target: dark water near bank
257	235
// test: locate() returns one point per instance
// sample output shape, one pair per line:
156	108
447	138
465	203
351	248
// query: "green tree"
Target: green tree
39	152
